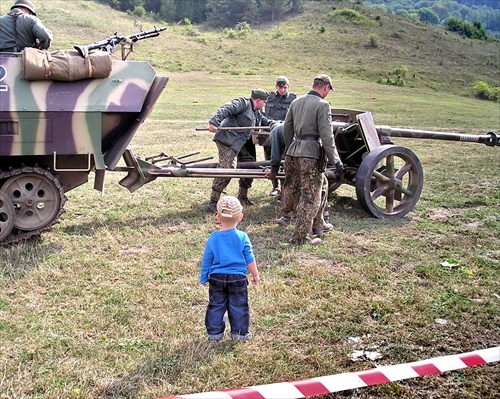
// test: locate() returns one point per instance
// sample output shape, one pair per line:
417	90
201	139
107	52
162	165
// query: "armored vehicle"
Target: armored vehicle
54	133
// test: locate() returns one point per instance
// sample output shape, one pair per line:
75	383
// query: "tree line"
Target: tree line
219	13
228	13
484	12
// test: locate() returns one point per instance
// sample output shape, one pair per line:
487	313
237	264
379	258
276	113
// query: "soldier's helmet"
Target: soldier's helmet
26	4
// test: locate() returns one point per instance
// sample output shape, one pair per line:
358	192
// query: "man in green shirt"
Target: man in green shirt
21	28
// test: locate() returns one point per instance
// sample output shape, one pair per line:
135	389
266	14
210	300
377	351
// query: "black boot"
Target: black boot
212	205
243	197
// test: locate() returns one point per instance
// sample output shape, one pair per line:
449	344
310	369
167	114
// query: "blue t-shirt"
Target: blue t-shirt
226	252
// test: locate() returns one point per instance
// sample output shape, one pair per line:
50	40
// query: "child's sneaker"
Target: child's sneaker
241	338
215	338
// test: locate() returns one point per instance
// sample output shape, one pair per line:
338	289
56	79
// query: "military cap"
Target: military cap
323	80
26	4
259	94
281	81
229	206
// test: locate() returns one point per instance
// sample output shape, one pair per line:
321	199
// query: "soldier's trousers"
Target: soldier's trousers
228	159
303	191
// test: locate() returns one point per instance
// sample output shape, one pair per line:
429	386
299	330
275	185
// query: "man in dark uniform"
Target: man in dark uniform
21	28
239	112
307	131
276	108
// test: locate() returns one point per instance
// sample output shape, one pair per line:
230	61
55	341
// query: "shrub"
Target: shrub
401	71
230	33
139	11
485	92
373	37
190	30
202	40
397	81
348	14
278	33
243	29
472	31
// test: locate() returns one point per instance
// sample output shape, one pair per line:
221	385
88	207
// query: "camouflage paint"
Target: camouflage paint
43	117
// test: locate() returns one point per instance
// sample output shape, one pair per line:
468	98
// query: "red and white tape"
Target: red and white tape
341	382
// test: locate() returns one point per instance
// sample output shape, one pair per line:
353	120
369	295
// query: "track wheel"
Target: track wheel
36	196
7	216
389	182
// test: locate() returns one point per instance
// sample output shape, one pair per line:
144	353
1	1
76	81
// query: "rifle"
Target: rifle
127	42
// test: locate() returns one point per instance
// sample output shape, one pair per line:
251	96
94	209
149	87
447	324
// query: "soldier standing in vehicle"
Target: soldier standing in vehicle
239	112
307	132
21	28
276	108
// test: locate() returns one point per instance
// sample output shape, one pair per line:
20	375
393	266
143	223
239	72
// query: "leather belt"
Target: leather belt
309	138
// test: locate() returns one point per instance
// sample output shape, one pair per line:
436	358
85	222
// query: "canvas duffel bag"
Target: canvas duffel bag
65	65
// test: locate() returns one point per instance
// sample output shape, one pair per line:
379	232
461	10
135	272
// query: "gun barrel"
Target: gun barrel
491	139
146	34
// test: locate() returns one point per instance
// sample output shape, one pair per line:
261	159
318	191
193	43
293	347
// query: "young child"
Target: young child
226	260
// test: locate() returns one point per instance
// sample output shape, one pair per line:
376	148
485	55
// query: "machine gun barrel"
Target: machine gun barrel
491	139
109	44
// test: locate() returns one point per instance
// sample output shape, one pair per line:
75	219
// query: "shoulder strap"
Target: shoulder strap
14	15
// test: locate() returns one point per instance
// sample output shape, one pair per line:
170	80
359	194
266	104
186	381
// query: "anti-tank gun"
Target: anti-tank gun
126	42
388	178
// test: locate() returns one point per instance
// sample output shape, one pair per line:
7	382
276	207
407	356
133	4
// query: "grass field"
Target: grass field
107	304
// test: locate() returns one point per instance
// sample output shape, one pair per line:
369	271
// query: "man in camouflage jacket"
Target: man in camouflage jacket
307	131
239	112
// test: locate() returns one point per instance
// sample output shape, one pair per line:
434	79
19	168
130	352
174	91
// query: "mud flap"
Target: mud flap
136	178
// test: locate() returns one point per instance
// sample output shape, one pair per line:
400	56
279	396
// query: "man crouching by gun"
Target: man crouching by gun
127	42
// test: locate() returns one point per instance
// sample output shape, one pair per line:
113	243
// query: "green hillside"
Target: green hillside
365	45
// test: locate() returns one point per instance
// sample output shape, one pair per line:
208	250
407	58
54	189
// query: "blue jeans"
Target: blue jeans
227	293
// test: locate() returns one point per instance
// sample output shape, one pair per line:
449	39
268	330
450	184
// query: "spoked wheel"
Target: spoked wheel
7	216
389	182
37	198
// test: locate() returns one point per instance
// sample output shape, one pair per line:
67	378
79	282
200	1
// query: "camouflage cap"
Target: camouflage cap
26	4
229	206
323	80
281	81
259	94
